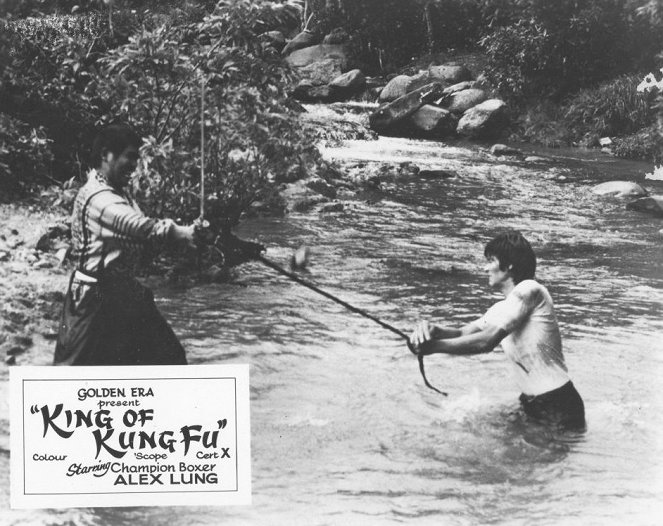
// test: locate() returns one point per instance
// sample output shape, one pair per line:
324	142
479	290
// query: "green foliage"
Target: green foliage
154	82
25	155
558	47
518	58
51	60
384	34
542	124
614	108
646	144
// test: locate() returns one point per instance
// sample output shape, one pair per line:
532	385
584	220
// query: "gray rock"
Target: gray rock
449	90
503	149
395	88
321	72
651	205
621	189
387	116
537	159
418	81
348	83
486	120
461	101
450	73
302	40
431	121
309	55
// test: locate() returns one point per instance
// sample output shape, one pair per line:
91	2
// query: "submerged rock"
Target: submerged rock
504	150
619	189
651	205
436	174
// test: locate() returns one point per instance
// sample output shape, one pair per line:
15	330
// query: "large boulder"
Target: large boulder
449	73
431	121
461	101
621	189
302	40
652	205
485	120
348	84
309	55
460	86
387	116
395	88
321	72
418	81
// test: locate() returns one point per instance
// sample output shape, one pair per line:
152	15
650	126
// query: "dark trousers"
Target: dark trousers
562	407
115	322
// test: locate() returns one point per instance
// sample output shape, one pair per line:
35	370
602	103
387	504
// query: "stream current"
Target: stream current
343	429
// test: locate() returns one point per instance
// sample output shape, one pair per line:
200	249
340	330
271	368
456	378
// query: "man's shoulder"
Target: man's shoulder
531	292
94	187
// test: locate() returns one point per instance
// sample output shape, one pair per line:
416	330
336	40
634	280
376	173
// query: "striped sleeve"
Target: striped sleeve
117	220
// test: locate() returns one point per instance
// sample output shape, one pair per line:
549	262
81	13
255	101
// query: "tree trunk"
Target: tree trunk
430	30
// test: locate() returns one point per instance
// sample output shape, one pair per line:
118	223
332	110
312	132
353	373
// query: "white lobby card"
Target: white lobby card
130	436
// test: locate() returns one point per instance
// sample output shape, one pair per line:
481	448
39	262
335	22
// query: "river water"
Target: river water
343	429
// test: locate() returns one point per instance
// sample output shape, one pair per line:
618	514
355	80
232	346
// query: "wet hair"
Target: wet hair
114	138
511	248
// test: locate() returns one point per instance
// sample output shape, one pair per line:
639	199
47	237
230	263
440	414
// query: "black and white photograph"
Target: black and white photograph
331	262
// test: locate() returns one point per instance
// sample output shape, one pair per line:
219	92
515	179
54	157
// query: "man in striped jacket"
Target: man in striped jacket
109	317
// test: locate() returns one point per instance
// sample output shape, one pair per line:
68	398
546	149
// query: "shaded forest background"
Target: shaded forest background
569	70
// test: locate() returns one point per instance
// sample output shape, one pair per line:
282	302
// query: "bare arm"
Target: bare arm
469	339
474	342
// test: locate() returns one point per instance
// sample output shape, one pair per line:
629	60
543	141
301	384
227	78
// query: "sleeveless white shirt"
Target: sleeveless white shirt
533	343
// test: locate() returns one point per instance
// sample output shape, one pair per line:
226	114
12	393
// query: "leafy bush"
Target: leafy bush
614	108
51	61
646	144
25	157
154	82
542	124
569	44
518	59
384	34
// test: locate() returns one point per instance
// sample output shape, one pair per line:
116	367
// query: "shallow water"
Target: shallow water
343	429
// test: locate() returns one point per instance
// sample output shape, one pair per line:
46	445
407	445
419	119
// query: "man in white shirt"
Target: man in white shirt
526	326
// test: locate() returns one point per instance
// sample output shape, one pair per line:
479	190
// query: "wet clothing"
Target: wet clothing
533	346
109	318
562	407
533	343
